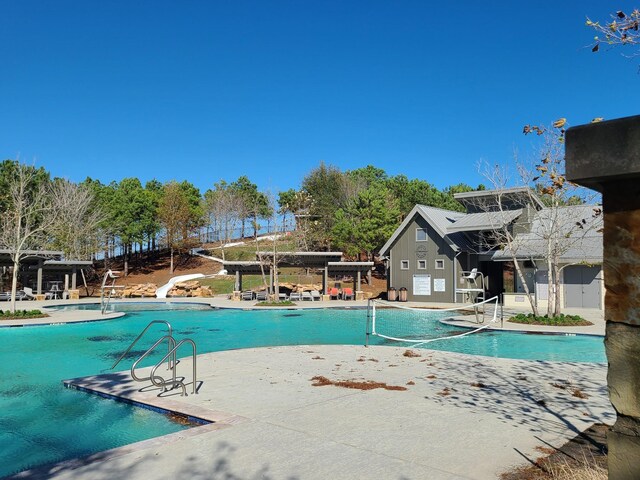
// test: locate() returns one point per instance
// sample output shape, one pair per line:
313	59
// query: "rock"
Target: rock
190	288
140	290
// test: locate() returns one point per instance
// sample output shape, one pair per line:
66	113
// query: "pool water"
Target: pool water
43	422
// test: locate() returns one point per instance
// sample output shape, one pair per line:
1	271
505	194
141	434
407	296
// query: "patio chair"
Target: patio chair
295	296
347	294
334	293
315	295
28	293
261	296
307	296
5	296
247	295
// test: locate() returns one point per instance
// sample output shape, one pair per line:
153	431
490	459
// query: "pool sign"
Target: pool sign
438	285
422	284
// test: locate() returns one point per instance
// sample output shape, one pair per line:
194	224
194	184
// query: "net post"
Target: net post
366	337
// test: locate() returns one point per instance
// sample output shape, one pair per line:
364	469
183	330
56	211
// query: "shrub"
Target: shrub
281	303
19	314
560	320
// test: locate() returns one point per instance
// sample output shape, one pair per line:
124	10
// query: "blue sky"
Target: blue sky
210	90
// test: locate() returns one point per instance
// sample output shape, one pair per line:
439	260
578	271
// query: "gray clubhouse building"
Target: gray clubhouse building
433	250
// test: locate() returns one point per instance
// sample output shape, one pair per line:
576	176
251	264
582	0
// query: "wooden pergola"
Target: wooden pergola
328	262
38	262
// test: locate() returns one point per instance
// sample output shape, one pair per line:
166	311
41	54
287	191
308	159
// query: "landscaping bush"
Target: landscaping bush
560	320
20	314
282	303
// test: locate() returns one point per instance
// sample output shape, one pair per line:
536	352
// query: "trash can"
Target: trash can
391	294
402	295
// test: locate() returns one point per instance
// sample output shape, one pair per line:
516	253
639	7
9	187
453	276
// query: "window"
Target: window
439	264
422	264
404	264
421	234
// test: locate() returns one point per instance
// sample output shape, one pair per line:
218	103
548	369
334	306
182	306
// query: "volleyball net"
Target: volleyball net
401	323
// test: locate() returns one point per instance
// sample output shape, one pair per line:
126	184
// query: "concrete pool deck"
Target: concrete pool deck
460	417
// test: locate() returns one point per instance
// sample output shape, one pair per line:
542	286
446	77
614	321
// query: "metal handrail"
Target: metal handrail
168	356
172	345
170	334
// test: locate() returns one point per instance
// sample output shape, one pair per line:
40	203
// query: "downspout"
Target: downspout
455	277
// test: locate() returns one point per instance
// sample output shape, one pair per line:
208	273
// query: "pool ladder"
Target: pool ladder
170	358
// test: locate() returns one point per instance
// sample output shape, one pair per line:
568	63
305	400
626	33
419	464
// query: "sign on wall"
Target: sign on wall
422	284
438	285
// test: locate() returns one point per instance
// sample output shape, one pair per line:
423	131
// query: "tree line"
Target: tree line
354	211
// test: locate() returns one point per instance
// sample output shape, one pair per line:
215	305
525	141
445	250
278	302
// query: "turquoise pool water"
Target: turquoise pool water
43	422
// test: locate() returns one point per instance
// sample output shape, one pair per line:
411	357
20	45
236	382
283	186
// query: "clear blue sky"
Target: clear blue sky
210	90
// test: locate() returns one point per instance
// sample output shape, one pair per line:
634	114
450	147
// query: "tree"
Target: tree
224	208
324	188
366	223
621	30
555	229
77	228
287	203
129	210
29	213
176	217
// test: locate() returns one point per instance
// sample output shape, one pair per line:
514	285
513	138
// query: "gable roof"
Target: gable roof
438	218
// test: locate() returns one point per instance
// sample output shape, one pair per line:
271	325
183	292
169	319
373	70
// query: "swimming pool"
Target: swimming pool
43	422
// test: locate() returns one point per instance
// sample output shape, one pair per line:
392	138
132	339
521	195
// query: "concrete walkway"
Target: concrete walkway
460	417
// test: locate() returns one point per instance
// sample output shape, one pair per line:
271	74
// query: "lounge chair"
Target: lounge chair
295	296
347	294
247	295
334	293
307	296
315	295
5	296
29	293
261	296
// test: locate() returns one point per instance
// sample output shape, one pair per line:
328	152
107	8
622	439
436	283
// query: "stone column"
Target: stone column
606	157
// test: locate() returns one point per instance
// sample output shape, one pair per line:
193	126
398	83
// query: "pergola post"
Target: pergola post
238	285
39	278
325	280
74	278
356	287
606	156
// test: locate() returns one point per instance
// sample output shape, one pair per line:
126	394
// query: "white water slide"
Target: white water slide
162	291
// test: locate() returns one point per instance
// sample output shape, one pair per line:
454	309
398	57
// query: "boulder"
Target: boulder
191	288
140	290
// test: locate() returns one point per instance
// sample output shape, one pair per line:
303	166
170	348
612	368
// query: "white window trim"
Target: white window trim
436	265
426	234
402	263
424	262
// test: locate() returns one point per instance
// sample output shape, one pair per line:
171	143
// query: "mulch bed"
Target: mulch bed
589	446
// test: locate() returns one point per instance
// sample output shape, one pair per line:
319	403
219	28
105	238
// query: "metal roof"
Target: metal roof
579	227
473	222
525	194
438	218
